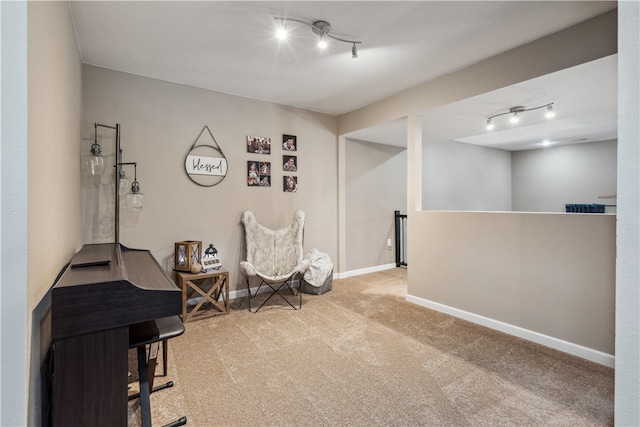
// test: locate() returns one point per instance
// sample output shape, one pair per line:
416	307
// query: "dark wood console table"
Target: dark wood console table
105	288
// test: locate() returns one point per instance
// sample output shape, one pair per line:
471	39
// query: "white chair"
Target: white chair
274	258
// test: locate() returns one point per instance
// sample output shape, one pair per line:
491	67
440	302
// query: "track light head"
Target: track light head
354	51
550	113
322	44
489	124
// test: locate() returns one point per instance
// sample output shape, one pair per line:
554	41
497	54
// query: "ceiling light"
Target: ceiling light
322	44
550	113
323	29
489	124
517	111
545	143
282	32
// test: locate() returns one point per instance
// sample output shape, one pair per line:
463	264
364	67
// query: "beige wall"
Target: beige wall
553	274
51	36
534	247
376	179
537	248
54	97
160	121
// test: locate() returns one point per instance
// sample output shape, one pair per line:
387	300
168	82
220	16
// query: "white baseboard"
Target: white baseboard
555	343
360	271
239	293
243	292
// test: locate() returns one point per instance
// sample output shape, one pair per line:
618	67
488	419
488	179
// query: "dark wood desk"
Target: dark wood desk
106	288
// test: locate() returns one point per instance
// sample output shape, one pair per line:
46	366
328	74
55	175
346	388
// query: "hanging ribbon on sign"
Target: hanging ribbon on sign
205	164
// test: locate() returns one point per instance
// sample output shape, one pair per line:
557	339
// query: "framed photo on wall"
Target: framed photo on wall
258	144
265	181
290	184
264	170
289	163
252	173
258	174
289	143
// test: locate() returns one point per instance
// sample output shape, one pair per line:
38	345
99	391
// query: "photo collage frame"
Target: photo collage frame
259	171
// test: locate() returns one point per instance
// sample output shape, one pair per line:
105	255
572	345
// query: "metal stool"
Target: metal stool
152	333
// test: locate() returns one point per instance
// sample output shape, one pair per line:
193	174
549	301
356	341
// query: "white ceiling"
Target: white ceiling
230	46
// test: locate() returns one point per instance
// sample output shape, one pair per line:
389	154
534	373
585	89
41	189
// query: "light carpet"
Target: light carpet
360	355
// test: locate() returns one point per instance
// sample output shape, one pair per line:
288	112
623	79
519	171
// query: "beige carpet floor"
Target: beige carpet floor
361	355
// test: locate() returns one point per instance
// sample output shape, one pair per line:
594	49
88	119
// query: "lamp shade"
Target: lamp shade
94	164
134	201
135	198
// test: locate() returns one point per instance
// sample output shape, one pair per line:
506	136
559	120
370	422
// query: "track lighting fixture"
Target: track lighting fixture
516	111
321	28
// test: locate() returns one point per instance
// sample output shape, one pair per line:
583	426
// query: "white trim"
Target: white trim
360	271
555	343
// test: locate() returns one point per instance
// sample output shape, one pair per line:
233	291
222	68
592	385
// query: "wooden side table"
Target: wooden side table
211	286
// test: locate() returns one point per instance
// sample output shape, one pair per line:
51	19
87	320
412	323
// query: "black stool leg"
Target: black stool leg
152	333
182	421
145	401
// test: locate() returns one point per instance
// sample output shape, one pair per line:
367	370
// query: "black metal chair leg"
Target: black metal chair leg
275	289
180	422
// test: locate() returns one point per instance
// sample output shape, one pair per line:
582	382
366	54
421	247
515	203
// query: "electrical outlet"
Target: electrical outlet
389	245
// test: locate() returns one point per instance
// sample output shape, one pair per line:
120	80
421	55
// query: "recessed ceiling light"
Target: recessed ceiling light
545	143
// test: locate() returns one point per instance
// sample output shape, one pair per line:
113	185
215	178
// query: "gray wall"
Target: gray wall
627	375
459	176
544	180
376	179
465	177
13	215
161	120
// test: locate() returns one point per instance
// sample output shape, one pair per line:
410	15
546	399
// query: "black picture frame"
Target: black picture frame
289	163
290	184
289	142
